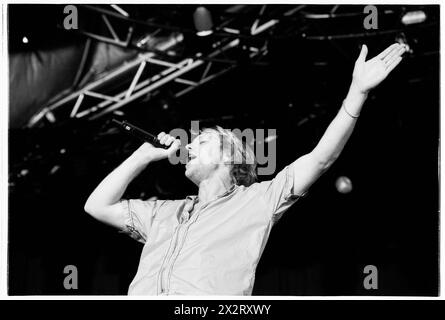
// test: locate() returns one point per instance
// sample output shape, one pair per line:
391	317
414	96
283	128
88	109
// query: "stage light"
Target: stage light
25	40
54	169
204	33
413	17
203	21
343	184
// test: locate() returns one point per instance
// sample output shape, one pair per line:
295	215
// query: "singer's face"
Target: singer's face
205	157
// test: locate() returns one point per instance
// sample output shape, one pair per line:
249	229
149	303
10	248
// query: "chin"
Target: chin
189	174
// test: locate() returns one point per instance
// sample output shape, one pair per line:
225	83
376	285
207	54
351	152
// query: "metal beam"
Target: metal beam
143	80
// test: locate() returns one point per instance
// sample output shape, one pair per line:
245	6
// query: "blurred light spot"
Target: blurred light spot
343	184
413	17
203	21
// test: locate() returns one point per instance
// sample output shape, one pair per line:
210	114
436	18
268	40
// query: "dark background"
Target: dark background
322	244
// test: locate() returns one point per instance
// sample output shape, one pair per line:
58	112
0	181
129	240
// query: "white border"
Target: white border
441	161
4	81
3	153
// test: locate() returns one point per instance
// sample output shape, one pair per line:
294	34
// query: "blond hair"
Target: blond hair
242	158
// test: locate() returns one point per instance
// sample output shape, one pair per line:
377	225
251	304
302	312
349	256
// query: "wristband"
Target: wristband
349	114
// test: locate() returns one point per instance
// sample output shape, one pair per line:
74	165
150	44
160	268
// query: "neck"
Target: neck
213	187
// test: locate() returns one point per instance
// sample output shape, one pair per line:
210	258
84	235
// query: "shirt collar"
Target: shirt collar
234	187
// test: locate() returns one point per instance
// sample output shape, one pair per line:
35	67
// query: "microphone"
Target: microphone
142	135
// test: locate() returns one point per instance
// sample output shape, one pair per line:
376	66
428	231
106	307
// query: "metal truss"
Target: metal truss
149	72
184	76
118	20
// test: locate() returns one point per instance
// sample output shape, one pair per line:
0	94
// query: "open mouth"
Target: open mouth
190	157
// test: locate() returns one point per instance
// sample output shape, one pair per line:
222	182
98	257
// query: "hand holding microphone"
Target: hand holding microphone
168	147
154	148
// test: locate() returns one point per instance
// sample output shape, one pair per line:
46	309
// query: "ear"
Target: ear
225	158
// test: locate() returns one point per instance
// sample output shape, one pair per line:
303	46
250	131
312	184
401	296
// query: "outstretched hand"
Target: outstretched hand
369	74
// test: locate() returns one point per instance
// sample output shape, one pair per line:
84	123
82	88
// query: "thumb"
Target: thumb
363	53
174	147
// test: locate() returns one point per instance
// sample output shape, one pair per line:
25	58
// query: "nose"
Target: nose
188	147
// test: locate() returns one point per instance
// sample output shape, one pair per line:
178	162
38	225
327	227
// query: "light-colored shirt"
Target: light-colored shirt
215	251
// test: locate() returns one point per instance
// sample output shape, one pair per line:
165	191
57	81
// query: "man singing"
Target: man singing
210	244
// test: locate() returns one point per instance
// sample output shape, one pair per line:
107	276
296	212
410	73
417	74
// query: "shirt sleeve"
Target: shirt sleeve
279	193
139	215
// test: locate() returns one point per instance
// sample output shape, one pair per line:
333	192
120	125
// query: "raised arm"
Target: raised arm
366	76
103	204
